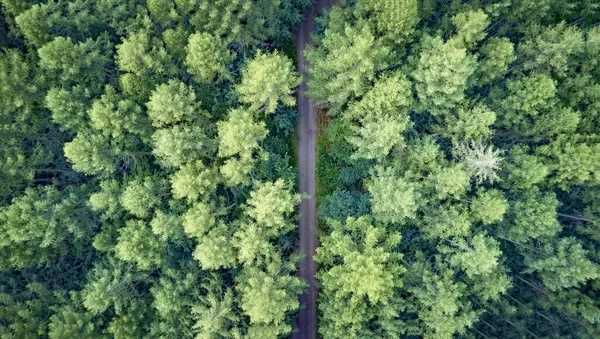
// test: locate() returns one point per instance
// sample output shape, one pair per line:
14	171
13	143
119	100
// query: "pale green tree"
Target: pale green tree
115	117
393	198
180	144
380	118
193	180
468	124
489	206
142	194
137	244
393	19
68	108
199	219
268	294
470	28
479	257
496	56
215	313
215	250
566	264
240	134
137	55
442	73
450	181
172	103
572	160
440	307
42	225
81	63
271	203
446	221
524	170
534	216
207	57
352	251
253	243
267	80
344	64
550	49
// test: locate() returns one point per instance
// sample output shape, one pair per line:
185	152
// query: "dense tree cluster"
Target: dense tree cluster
144	189
464	149
147	189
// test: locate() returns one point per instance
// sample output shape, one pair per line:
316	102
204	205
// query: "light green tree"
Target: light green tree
393	198
352	251
267	80
193	180
489	206
207	57
496	56
271	203
446	221
440	307
42	225
534	216
137	244
180	144
240	134
450	181
215	250
393	19
441	76
344	64
172	103
565	265
199	219
142	194
267	295
470	28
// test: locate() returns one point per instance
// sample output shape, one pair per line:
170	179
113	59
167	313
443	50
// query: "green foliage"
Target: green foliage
564	265
534	216
270	203
267	80
474	132
352	251
344	64
207	57
470	28
496	56
441	75
137	244
172	103
489	206
43	225
381	126
266	295
441	311
341	205
82	63
193	180
393	19
124	203
141	195
136	55
393	199
180	144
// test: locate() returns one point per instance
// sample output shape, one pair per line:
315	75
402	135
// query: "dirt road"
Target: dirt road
307	128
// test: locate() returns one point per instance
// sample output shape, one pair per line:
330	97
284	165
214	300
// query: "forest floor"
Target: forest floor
307	129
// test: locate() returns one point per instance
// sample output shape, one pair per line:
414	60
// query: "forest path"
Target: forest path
307	129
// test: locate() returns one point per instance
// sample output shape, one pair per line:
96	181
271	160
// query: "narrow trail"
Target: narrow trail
307	129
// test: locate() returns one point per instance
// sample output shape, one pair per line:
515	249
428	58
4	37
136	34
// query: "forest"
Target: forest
149	168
